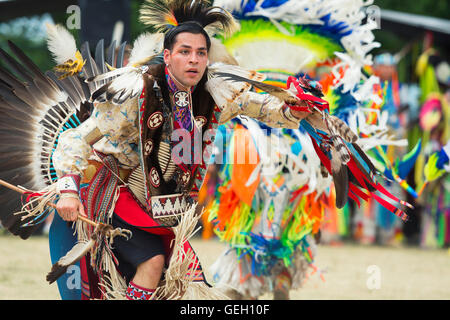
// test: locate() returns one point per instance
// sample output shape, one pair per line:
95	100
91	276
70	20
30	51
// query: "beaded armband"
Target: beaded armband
69	183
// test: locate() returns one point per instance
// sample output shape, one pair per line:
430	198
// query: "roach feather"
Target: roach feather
155	12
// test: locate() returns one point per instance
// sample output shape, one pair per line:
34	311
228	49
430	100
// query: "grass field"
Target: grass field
349	271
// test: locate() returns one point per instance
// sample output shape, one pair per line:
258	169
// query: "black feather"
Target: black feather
56	272
47	85
120	55
88	66
364	157
85	111
10	80
100	56
66	86
100	91
340	179
110	94
14	65
111	53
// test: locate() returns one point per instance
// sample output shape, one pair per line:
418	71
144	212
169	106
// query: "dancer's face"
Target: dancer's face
188	59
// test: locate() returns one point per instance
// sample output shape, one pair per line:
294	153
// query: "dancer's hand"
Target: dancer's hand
300	109
69	208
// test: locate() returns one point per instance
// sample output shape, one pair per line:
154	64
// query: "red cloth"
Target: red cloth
129	210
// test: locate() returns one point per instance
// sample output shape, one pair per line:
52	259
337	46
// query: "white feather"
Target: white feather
237	70
60	43
132	82
130	77
118	33
219	53
78	251
127	82
146	45
112	74
287	56
226	92
357	42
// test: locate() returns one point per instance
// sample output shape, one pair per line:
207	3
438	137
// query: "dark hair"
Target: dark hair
190	27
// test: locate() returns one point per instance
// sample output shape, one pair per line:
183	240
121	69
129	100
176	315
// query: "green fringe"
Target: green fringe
260	30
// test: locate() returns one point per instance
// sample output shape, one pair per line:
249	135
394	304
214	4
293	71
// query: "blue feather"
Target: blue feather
408	161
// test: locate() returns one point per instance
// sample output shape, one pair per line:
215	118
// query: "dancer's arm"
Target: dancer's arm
70	159
265	108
